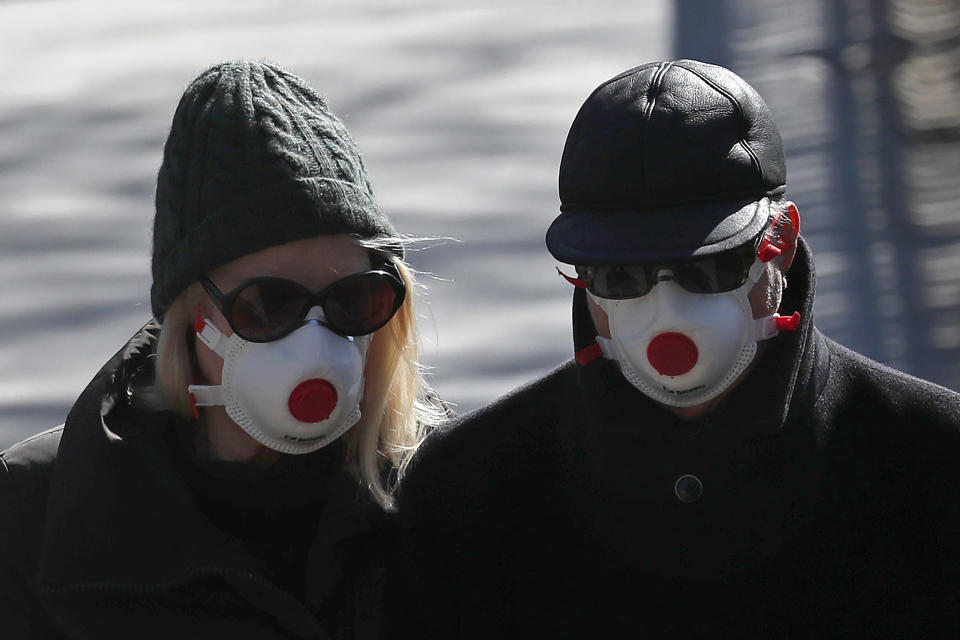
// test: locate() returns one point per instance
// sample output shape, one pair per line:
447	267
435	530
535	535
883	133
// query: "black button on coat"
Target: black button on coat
827	505
101	537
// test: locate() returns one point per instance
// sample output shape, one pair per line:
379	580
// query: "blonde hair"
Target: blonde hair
398	407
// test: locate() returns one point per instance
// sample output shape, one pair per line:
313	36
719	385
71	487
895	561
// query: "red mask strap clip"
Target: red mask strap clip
193	398
768	251
789	323
198	322
588	354
577	282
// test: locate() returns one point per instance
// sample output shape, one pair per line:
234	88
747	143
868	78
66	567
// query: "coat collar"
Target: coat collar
121	518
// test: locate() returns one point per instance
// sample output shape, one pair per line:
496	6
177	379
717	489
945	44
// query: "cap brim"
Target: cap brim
627	237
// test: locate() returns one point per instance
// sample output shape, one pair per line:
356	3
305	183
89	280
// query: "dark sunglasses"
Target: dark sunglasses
267	309
718	273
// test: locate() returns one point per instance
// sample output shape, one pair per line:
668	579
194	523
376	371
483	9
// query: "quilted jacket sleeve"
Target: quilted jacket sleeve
24	471
16	602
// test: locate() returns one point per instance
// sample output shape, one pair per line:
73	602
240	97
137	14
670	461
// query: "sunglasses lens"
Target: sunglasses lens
617	283
358	305
732	269
715	274
265	310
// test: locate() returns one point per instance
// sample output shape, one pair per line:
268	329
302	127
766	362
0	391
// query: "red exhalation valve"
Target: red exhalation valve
672	354
313	400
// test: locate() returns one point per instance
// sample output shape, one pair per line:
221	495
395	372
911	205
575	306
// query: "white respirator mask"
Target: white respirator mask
683	349
293	395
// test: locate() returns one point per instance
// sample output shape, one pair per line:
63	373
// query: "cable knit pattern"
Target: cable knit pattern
254	158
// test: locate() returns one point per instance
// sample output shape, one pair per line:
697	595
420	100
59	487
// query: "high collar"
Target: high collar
120	515
790	372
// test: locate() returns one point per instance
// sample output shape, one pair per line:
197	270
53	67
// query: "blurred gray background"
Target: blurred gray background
461	110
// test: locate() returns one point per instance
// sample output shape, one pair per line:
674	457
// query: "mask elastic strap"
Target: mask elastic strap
209	335
756	270
213	338
608	348
206	396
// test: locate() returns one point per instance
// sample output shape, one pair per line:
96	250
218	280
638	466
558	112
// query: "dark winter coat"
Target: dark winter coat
830	505
101	536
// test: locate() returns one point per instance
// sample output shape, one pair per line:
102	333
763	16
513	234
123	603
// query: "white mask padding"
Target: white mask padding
662	394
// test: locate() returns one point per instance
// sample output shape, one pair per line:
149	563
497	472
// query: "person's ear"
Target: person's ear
789	232
780	238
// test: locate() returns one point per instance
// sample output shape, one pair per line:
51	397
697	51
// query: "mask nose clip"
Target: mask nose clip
665	275
315	316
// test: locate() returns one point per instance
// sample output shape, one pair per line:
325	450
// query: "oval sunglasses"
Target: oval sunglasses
266	309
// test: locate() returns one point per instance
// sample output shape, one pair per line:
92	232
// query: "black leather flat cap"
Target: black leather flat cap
666	160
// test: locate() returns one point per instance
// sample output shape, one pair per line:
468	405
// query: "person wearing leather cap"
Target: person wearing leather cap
229	472
709	464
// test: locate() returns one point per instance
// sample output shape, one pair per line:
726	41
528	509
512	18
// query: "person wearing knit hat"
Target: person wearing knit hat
707	465
229	472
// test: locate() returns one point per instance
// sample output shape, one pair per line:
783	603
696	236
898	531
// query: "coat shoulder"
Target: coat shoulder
892	394
34	453
485	443
499	426
24	478
25	472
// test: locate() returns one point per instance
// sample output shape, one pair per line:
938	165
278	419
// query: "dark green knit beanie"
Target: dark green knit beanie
254	159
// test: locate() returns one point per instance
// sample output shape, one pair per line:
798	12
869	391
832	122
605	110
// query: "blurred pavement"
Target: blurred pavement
460	109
